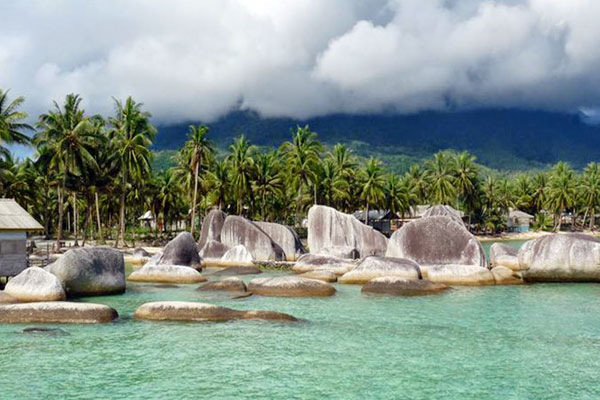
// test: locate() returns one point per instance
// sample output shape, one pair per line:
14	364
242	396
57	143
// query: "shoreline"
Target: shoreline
527	236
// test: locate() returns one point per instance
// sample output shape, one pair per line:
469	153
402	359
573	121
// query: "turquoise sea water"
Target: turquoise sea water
512	342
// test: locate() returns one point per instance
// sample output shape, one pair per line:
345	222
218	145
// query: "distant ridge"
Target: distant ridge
501	139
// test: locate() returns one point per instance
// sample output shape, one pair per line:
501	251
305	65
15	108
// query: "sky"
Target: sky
198	60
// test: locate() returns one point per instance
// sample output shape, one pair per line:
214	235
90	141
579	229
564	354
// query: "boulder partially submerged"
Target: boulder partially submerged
312	262
460	275
35	284
166	274
238	270
211	228
375	267
90	271
329	228
202	312
395	286
506	276
56	312
238	230
231	284
561	258
238	255
285	237
290	286
322	275
504	255
436	240
181	251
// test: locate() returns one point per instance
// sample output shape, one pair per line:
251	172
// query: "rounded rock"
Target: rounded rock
57	312
166	274
461	275
290	286
232	284
375	267
395	286
35	284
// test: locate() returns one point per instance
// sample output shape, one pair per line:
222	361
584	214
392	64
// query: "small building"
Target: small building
15	222
148	220
518	221
384	221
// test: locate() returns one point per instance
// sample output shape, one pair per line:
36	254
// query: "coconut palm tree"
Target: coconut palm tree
333	185
539	185
198	150
440	179
372	185
70	136
241	164
218	183
561	191
399	198
590	191
268	182
132	134
11	123
302	157
466	180
417	182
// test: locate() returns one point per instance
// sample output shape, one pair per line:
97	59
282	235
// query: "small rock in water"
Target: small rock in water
47	331
238	271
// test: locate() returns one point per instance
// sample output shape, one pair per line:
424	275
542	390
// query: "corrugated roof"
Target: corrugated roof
14	218
519	214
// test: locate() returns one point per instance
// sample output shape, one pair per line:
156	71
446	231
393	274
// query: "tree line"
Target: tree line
93	176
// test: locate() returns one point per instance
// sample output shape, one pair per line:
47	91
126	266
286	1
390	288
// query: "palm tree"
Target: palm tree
268	182
399	198
561	191
466	180
590	191
440	179
302	157
523	193
372	185
539	185
418	182
69	135
241	166
198	149
131	134
334	186
11	125
218	181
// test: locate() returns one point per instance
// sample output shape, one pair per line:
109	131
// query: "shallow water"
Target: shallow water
538	341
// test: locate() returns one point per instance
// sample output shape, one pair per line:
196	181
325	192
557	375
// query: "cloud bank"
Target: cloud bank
197	60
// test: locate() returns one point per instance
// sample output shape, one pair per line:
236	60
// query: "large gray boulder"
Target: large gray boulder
561	258
56	312
504	255
213	250
90	271
202	312
444	211
238	255
329	228
285	237
238	230
211	227
376	267
436	241
181	251
35	284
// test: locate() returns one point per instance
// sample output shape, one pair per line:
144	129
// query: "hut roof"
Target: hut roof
148	216
13	217
519	214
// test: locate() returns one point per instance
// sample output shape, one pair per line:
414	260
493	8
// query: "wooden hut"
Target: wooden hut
15	222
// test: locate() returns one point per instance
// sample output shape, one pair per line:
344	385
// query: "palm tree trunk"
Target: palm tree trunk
194	197
75	219
88	212
298	203
592	219
100	238
367	215
61	213
121	230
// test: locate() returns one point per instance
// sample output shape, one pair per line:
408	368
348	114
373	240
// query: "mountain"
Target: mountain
501	139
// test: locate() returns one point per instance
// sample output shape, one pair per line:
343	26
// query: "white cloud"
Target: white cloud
189	60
